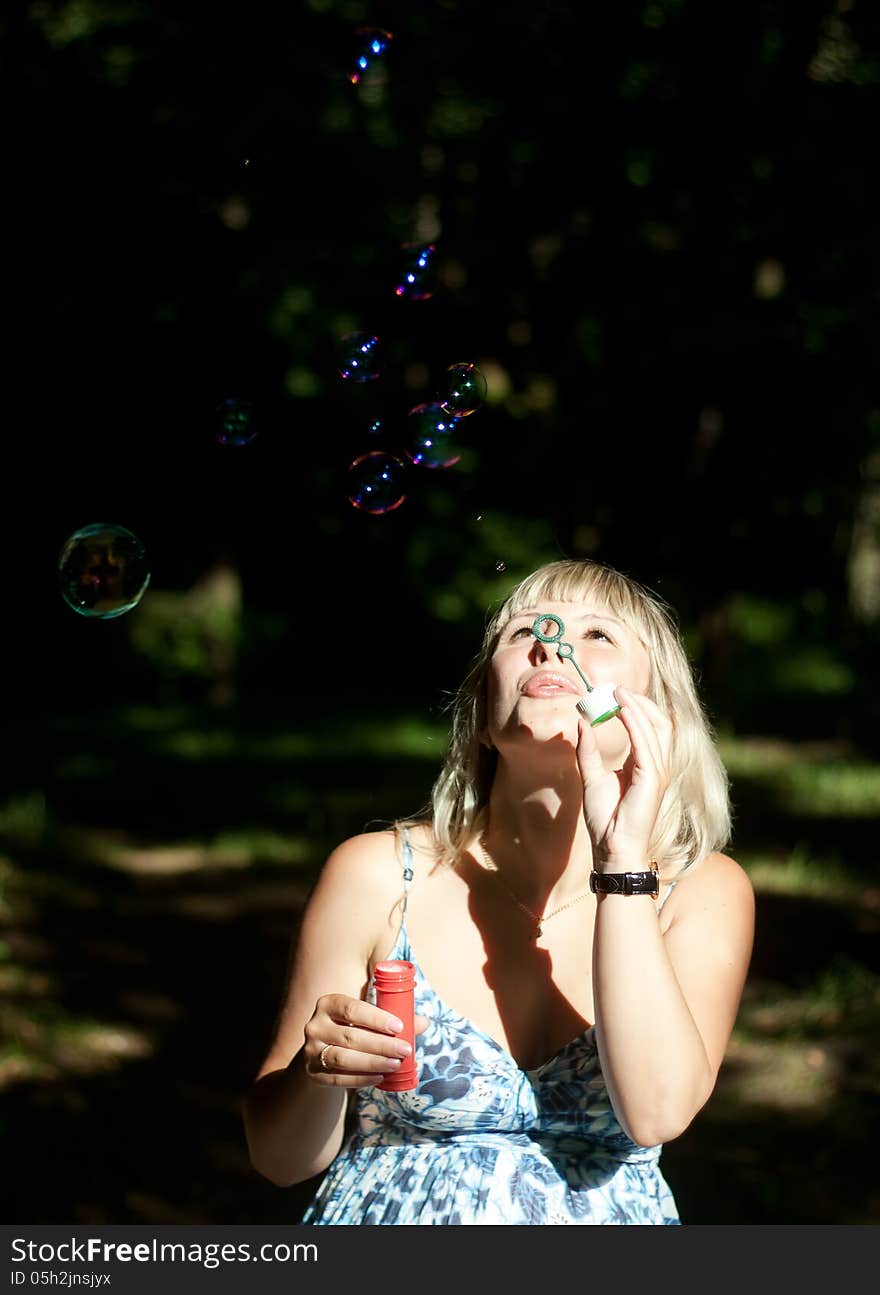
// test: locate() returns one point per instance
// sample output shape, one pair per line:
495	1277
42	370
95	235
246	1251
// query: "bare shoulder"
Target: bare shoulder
345	918
716	884
366	866
362	885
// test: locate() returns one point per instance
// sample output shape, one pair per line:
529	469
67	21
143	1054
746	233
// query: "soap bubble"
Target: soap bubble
358	357
235	422
431	436
375	482
103	571
371	44
416	280
465	389
500	566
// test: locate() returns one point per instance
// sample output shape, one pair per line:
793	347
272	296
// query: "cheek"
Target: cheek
635	673
500	680
494	697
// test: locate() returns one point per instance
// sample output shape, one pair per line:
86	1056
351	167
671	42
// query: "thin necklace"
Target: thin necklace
539	920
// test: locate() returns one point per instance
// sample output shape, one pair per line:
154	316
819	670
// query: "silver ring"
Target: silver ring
324	1065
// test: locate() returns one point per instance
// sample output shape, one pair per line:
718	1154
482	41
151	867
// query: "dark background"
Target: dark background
658	220
656	234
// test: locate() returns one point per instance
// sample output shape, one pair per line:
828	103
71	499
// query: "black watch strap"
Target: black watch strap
626	883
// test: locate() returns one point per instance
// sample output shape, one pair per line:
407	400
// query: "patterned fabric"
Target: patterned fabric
481	1141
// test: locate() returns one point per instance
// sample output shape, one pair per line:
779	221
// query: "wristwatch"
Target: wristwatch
626	883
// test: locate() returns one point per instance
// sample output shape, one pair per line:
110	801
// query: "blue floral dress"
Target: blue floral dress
481	1141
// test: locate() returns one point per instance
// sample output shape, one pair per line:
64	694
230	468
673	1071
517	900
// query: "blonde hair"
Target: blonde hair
694	817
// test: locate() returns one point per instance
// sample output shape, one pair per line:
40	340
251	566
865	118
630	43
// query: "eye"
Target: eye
597	632
522	629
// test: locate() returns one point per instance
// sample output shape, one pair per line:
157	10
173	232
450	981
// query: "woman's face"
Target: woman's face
532	691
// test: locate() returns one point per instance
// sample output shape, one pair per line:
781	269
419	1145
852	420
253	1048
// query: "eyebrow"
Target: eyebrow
583	616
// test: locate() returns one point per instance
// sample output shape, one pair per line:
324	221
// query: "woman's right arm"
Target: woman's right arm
294	1113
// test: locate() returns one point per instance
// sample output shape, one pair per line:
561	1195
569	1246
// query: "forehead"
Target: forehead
561	607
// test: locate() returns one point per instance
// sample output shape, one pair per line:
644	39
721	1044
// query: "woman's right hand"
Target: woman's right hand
360	1042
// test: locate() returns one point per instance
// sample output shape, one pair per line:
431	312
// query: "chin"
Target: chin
555	729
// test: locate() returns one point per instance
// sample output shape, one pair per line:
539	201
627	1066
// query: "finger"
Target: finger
336	1079
646	745
589	757
355	1012
366	1043
351	1063
659	721
420	1023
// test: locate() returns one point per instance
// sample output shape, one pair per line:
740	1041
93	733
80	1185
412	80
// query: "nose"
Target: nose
549	653
542	652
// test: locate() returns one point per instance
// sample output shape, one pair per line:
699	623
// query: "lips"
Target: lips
549	683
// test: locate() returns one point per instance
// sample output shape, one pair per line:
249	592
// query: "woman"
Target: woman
566	1029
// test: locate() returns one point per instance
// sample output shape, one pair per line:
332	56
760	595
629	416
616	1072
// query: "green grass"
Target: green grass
255	801
804	873
807	780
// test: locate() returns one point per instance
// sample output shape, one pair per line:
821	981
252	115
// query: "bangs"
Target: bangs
577	582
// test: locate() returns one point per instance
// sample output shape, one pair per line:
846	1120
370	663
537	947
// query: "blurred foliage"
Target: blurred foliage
655	233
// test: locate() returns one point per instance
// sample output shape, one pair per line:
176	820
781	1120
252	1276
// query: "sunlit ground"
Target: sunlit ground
152	867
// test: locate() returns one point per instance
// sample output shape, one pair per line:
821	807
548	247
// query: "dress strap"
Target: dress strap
672	886
407	871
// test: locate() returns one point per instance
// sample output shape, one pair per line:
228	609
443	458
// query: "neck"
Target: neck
536	837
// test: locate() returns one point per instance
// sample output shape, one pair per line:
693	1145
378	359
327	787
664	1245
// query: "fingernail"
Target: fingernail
394	1024
392	1062
403	1048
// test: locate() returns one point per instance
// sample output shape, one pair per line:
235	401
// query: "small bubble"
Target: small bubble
235	422
375	483
417	278
431	439
358	357
500	566
465	389
103	571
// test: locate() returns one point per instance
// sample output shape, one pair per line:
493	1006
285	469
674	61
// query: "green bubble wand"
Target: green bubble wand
600	703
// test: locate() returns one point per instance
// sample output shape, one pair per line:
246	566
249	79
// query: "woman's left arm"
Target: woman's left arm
665	1002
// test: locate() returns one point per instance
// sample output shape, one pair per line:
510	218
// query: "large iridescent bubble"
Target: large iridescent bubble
465	389
376	482
103	571
431	436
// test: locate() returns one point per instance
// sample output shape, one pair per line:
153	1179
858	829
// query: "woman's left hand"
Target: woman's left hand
621	805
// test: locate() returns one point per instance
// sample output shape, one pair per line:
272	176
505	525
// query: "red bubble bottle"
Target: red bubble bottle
395	984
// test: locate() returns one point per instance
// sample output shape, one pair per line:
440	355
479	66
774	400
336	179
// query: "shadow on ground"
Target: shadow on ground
173	979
